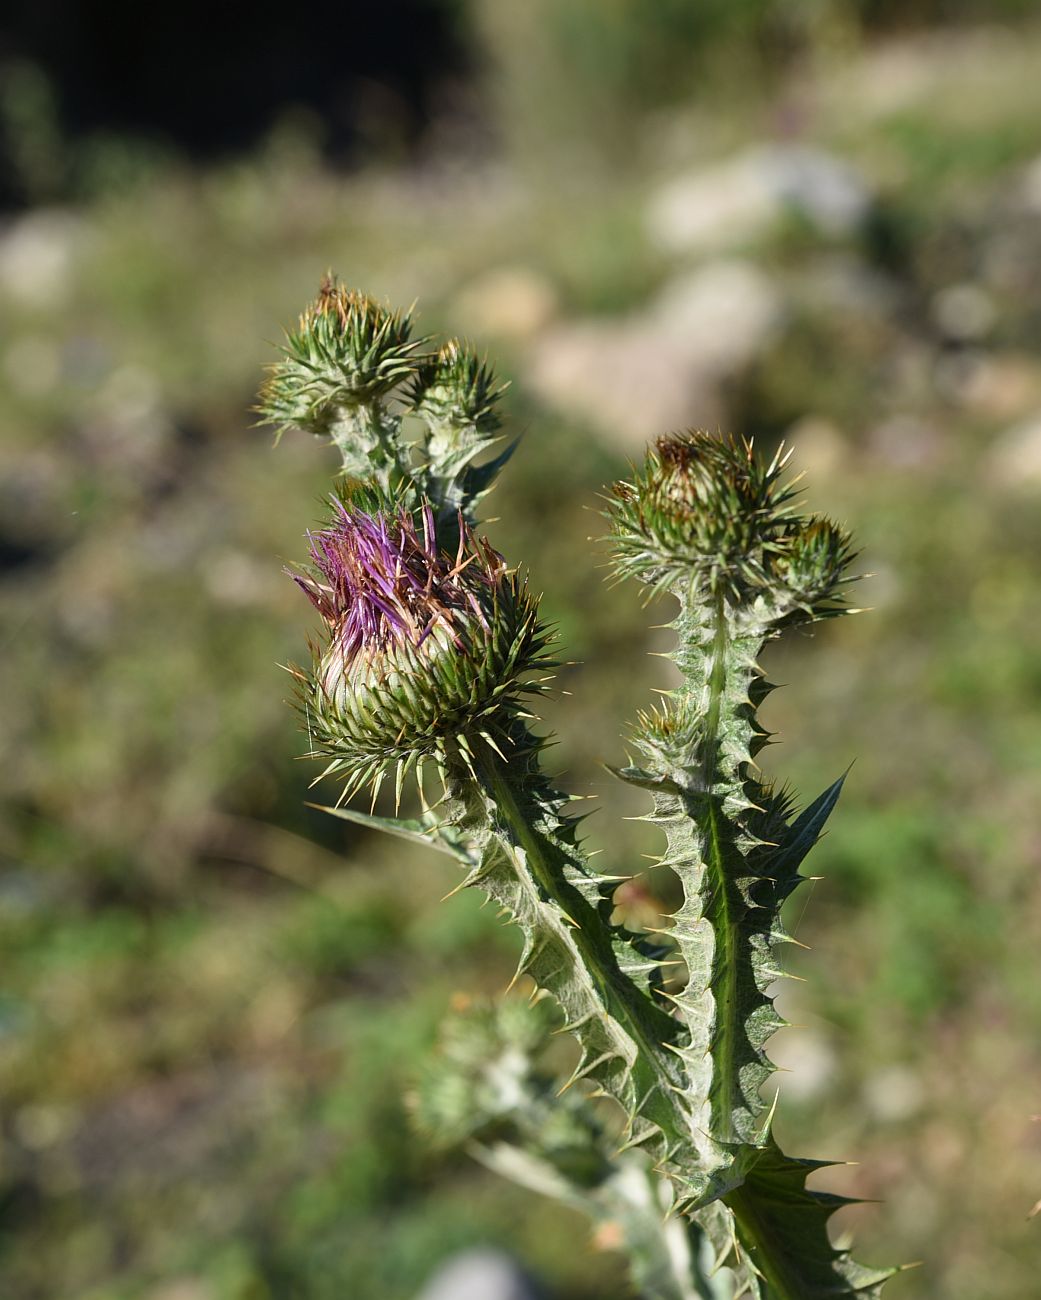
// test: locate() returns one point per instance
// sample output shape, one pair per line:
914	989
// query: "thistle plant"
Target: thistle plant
431	654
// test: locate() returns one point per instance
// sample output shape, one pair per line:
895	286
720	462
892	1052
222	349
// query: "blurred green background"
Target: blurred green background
817	222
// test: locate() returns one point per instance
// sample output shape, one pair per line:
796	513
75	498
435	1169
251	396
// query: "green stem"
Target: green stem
719	902
716	685
366	438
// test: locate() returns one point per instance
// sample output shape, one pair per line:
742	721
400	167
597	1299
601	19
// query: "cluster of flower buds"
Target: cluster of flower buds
426	652
707	520
352	372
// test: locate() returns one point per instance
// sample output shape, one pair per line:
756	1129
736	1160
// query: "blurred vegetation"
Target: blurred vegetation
213	1000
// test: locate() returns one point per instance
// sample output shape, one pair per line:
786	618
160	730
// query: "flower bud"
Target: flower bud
457	395
810	563
347	351
426	650
700	518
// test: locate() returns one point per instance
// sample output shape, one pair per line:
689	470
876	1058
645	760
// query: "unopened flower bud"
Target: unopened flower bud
457	394
811	563
701	517
346	351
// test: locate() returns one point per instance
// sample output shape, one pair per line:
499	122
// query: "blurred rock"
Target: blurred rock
894	1093
826	190
819	448
718	317
37	254
621	378
1014	461
740	199
479	1275
964	312
906	442
915	69
708	209
183	1288
1004	387
509	302
660	369
891	78
1030	186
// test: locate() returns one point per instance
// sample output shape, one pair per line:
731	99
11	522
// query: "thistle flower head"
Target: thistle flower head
380	582
346	351
701	515
424	649
708	519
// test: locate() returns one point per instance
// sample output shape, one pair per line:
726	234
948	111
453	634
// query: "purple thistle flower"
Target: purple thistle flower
378	582
427	651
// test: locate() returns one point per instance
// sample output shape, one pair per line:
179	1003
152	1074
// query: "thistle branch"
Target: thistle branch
716	528
352	372
485	1088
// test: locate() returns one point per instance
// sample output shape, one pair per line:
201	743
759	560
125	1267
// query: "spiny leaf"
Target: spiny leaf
804	833
782	1235
428	830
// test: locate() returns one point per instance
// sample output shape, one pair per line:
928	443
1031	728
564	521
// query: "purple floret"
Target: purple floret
377	582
